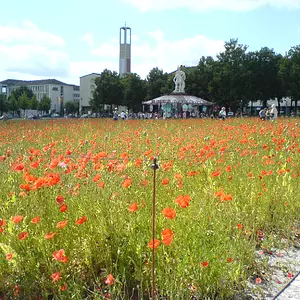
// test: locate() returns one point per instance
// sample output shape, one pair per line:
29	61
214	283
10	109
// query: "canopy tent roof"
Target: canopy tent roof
181	98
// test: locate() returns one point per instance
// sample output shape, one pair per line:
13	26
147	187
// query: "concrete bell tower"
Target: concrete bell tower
125	50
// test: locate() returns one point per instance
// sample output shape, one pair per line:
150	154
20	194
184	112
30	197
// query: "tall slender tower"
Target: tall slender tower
125	50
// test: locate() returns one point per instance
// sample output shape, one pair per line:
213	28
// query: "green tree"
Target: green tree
33	103
156	82
199	79
21	90
227	86
44	104
71	107
13	104
24	102
3	104
290	74
167	88
264	75
108	91
134	91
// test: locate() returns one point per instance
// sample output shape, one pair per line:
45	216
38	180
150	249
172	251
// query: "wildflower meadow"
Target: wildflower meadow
76	206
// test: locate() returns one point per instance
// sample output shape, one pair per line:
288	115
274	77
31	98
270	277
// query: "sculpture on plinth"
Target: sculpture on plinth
179	80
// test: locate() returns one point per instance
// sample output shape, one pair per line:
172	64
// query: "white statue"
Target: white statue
179	80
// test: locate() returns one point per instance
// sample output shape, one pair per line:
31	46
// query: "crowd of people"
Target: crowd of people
268	113
157	115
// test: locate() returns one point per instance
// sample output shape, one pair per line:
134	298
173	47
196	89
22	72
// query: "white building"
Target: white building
58	91
87	87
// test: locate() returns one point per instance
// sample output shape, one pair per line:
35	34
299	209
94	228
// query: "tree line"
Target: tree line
23	98
234	78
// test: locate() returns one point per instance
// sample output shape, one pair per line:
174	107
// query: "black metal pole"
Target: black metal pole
154	167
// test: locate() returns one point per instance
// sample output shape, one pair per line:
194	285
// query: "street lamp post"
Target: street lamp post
241	108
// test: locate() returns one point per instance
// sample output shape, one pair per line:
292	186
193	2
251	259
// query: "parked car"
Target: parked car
45	116
55	115
86	116
6	117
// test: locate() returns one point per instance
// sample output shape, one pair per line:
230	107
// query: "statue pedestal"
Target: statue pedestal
178	93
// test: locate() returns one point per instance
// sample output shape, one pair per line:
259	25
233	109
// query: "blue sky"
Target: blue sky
67	39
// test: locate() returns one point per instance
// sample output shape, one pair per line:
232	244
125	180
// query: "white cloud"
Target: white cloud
88	37
37	57
134	38
159	52
108	50
26	52
81	68
158	35
202	5
29	34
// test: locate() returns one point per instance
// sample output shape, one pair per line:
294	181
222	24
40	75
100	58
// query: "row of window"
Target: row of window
39	88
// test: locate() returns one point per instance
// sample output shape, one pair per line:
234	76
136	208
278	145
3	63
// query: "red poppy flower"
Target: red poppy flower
167	240
36	220
60	256
215	174
226	198
50	235
2	223
110	280
127	183
96	178
133	207
19	167
56	276
154	245
9	256
169	213
165	181
68	152
63	208
205	264
144	182
183	201
63	287
23	235
62	224
178	176
258	280
81	220
101	184
34	165
167	232
60	199
25	186
16	219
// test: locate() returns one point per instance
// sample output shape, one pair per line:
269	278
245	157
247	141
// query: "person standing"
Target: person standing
222	113
262	114
268	114
273	112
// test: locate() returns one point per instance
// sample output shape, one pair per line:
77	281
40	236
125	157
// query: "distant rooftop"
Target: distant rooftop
17	82
91	74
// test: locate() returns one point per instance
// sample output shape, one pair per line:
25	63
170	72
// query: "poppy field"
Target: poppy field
76	206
